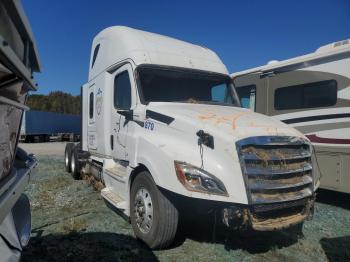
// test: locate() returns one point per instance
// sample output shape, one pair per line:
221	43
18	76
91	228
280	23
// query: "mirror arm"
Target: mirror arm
128	114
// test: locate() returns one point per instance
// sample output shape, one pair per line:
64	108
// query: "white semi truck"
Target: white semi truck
162	129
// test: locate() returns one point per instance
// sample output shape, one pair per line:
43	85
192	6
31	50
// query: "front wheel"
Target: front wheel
153	217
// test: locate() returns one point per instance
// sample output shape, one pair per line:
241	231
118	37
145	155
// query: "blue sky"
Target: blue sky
244	34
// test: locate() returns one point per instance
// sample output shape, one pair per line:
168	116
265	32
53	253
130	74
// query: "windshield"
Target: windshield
185	85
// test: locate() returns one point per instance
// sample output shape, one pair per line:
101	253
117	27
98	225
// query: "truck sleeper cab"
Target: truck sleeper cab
161	122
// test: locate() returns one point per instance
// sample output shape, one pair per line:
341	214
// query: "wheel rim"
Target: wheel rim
72	164
143	209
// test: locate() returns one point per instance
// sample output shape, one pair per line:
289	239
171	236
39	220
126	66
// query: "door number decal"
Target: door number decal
149	125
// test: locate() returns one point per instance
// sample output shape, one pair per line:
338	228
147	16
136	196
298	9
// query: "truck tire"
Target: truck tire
153	217
67	156
74	163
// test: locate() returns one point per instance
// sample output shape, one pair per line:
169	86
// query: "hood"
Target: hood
222	120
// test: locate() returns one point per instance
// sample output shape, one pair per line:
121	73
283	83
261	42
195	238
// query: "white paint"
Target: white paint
120	43
339	67
344	93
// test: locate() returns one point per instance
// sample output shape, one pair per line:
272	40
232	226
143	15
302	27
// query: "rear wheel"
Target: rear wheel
153	217
68	156
74	163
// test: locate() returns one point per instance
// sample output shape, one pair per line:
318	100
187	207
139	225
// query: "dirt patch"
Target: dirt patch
72	223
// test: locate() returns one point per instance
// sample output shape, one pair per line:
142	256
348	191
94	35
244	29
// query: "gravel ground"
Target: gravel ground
72	223
44	149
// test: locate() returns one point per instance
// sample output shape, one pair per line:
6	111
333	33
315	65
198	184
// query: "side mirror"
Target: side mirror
128	114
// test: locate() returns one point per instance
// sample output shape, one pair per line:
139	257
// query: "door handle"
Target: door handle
112	142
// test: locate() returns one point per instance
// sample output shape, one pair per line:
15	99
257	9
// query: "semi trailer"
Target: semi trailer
40	126
312	94
18	60
164	134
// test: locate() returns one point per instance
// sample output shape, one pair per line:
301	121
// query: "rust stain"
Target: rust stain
207	116
236	117
97	185
223	119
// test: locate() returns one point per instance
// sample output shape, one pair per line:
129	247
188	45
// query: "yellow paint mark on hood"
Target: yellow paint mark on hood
223	119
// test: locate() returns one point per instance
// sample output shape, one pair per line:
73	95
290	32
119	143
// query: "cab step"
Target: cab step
117	170
113	199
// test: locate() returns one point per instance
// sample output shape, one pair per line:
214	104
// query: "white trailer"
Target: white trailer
163	129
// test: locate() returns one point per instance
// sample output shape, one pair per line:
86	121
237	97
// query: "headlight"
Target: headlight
198	180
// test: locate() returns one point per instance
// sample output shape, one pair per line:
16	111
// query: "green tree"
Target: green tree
56	101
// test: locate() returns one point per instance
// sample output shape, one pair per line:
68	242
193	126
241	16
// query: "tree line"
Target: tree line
57	101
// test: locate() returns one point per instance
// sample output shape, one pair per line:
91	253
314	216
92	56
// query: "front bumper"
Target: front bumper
259	217
268	217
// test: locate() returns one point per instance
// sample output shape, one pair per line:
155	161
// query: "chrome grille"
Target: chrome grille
276	169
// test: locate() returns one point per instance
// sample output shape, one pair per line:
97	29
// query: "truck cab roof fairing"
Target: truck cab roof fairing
119	43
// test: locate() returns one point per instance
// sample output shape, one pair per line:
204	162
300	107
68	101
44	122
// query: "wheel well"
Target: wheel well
137	171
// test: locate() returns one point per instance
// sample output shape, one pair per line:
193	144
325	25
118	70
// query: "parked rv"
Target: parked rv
163	129
18	60
40	126
312	94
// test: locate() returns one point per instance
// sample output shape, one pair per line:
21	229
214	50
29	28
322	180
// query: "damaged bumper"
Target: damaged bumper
268	217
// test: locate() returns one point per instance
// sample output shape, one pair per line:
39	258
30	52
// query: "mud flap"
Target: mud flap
15	230
10	246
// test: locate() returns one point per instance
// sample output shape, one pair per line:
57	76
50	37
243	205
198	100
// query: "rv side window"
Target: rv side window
122	91
317	94
247	96
91	105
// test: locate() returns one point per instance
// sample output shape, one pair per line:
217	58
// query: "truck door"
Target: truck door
122	102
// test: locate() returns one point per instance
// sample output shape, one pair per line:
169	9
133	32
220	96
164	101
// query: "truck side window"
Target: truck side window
122	91
91	105
95	55
247	96
219	94
309	95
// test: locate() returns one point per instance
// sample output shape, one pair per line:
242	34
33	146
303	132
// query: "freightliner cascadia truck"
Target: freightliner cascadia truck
163	130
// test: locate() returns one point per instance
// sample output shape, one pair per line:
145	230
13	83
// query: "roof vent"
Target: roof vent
331	46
